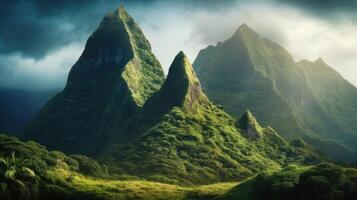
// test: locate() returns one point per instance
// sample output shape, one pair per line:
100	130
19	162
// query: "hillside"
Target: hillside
38	174
325	181
306	100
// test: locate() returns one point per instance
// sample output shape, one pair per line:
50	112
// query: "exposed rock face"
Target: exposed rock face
114	76
306	100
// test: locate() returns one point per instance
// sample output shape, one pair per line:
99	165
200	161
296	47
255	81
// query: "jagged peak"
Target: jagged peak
182	78
181	87
243	30
243	26
182	68
116	52
319	60
118	14
250	126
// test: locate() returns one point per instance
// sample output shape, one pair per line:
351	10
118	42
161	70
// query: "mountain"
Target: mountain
188	140
114	76
18	108
118	109
306	100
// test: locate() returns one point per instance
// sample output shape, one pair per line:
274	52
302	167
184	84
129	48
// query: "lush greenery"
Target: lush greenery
196	142
325	181
306	100
154	140
115	75
29	171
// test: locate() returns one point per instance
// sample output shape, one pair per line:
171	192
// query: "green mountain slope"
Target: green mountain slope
110	111
34	173
113	77
325	181
38	174
306	100
195	142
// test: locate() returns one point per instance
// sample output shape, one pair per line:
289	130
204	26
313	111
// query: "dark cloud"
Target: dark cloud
333	10
36	27
325	5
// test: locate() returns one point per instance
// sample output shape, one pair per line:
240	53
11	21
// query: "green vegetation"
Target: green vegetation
306	100
195	142
154	140
325	181
32	172
115	75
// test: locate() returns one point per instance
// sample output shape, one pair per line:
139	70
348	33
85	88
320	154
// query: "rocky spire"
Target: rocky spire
181	87
118	51
250	126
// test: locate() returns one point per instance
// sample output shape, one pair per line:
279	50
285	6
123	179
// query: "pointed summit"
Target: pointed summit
250	126
181	88
320	61
119	49
116	73
245	30
243	27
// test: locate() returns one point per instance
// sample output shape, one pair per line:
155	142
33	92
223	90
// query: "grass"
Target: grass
140	189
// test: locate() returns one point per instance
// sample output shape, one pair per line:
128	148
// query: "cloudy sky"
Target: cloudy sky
41	39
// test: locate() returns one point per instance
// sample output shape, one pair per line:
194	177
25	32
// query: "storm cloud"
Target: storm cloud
41	39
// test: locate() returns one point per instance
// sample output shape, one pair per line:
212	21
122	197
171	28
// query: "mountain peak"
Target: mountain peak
243	30
243	26
181	88
118	48
182	68
250	126
115	75
320	61
119	13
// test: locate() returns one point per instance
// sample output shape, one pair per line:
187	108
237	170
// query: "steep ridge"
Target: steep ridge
230	78
113	77
250	72
198	144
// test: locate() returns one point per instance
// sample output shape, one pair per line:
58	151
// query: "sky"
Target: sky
40	40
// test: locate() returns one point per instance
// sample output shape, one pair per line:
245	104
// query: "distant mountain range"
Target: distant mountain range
306	99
